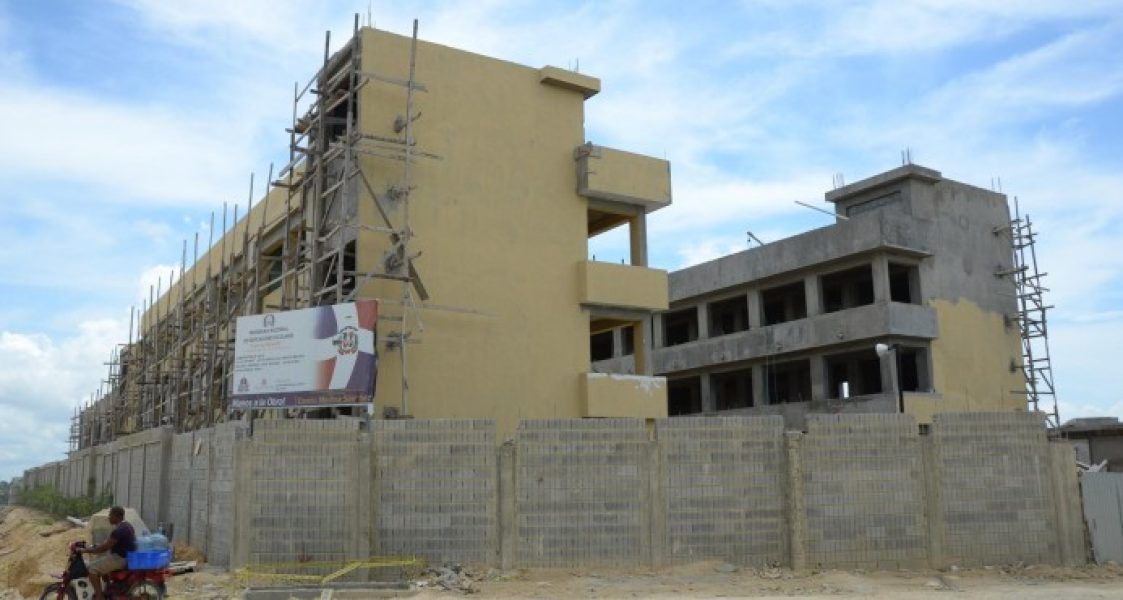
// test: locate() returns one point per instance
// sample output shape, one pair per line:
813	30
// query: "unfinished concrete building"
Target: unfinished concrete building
917	262
460	192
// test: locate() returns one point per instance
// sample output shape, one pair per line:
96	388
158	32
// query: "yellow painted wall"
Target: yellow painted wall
616	174
610	284
616	395
971	363
500	227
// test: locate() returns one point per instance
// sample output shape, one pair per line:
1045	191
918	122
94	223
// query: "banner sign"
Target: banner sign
322	356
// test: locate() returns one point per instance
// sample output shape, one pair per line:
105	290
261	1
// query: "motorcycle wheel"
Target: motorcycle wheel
52	592
146	590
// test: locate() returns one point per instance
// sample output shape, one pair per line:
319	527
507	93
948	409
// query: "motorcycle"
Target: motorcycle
126	584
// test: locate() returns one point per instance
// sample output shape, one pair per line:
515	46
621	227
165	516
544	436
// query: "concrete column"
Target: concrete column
703	321
889	373
759	398
165	510
794	506
364	458
657	339
813	296
1068	522
375	487
753	298
819	390
881	278
637	230
617	342
656	505
933	516
641	346
508	534
242	536
709	400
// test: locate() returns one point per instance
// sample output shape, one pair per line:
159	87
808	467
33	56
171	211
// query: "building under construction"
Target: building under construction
457	190
938	272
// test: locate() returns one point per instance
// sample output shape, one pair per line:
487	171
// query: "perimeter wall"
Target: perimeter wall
853	491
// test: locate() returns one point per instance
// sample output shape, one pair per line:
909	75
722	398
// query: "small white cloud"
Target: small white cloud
154	279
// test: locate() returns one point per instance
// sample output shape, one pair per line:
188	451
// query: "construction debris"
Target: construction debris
450	577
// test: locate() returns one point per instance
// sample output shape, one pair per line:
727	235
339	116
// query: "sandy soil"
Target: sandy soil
710	580
27	557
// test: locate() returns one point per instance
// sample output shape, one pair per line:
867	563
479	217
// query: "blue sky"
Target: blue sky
128	122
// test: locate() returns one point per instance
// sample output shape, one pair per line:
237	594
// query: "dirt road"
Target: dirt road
33	545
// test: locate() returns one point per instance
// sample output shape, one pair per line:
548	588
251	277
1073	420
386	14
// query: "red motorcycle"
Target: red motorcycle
74	584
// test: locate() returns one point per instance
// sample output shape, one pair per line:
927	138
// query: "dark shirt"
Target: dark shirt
126	539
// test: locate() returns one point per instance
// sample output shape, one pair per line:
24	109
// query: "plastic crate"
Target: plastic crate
144	560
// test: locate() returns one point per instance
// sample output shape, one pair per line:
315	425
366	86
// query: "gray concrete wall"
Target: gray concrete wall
855	491
299	489
863	492
582	492
220	492
436	492
179	485
723	489
993	476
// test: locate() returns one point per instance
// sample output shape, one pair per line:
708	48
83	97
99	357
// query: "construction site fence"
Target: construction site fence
852	491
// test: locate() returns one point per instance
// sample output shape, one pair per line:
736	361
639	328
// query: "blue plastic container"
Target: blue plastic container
144	560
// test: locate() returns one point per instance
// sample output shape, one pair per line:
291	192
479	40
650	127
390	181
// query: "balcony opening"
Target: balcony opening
733	389
914	370
680	327
783	304
627	341
609	242
904	283
684	396
728	316
788	381
601	346
860	370
847	289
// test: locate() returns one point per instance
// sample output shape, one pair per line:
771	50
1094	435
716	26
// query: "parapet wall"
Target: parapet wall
854	491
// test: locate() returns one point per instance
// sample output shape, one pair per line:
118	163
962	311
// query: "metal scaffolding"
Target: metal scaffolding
175	368
1032	320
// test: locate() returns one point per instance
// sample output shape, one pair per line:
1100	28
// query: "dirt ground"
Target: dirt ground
27	556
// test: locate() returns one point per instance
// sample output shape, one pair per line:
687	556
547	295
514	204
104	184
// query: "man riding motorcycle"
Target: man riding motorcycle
120	542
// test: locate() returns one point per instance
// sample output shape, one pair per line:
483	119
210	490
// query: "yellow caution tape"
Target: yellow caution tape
291	572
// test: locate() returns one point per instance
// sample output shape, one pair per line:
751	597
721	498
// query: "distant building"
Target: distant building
914	261
1096	439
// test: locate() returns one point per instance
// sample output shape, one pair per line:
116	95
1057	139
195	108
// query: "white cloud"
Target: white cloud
1084	357
131	151
42	379
156	278
844	28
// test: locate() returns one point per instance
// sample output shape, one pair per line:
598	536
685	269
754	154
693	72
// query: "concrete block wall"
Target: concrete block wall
301	486
436	491
200	489
993	482
863	492
220	500
855	491
106	468
582	492
723	489
179	485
